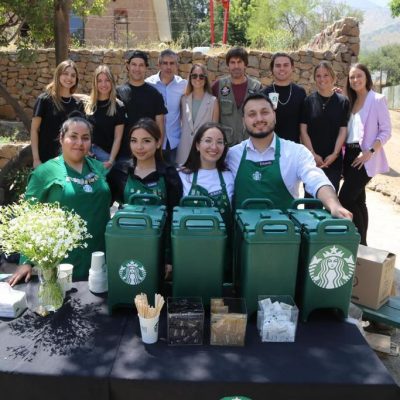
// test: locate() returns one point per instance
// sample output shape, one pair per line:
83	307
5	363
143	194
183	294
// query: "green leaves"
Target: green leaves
395	7
39	16
386	59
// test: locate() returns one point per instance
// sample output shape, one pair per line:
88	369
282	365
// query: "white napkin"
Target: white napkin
12	301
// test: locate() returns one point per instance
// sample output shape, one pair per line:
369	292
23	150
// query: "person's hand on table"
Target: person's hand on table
340	212
24	271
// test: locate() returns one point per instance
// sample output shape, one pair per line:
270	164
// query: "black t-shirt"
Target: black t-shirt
323	125
52	119
140	101
288	112
104	125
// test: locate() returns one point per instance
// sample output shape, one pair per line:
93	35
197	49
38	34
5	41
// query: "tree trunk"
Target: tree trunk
62	9
21	114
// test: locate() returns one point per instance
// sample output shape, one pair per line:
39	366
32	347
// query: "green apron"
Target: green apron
90	200
86	193
134	186
219	199
262	180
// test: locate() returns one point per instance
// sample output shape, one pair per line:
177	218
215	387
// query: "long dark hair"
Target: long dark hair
152	128
75	117
368	84
193	162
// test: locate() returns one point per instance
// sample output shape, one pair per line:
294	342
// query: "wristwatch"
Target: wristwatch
372	150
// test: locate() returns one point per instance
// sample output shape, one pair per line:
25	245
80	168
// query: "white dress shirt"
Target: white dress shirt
296	164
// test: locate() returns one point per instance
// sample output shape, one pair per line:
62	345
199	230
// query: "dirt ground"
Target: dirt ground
383	200
389	184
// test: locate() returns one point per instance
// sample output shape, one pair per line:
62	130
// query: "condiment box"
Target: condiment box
185	320
277	318
228	321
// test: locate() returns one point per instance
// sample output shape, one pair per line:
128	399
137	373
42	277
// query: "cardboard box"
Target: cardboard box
373	277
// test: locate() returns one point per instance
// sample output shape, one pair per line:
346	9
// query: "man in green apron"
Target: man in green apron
266	166
231	91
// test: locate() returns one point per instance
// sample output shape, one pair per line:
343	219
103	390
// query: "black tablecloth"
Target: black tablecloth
81	352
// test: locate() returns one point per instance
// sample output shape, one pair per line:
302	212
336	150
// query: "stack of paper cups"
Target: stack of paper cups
68	270
98	273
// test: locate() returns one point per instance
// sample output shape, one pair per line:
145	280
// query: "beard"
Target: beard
260	135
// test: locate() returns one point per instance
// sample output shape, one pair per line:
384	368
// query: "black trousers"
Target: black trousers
352	193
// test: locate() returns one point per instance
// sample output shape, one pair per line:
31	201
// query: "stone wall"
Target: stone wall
339	44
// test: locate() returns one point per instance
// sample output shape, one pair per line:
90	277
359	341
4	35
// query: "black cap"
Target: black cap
137	54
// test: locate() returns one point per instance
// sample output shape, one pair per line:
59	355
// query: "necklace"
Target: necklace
324	103
106	103
283	103
68	101
84	182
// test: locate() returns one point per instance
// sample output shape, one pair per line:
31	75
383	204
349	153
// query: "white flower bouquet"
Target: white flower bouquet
44	233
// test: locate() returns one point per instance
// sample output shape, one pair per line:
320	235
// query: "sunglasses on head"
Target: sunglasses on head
198	76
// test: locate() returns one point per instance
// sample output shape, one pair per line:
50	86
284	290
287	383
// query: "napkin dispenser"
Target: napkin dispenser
12	302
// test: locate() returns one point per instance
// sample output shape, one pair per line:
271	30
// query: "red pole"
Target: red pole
212	38
225	4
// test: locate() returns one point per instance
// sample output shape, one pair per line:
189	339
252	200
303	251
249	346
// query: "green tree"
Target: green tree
187	21
385	59
279	24
190	22
329	12
33	23
395	7
29	24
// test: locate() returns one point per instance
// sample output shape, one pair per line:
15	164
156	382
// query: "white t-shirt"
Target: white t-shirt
354	128
209	180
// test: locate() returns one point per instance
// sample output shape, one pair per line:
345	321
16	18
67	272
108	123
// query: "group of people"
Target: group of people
172	137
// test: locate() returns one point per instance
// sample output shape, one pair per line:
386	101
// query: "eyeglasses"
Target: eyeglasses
198	76
210	142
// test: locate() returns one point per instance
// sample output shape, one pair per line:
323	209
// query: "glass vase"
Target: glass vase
51	294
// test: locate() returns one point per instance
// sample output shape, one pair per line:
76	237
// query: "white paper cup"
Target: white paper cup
98	260
98	282
149	329
274	97
68	269
63	281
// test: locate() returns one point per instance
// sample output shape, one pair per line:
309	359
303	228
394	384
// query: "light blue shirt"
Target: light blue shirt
172	94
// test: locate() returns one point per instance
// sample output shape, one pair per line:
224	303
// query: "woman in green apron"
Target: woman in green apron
78	183
205	173
150	175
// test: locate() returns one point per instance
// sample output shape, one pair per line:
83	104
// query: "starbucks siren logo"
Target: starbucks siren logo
332	267
132	272
257	176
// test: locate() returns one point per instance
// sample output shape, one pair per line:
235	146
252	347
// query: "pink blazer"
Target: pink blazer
376	125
